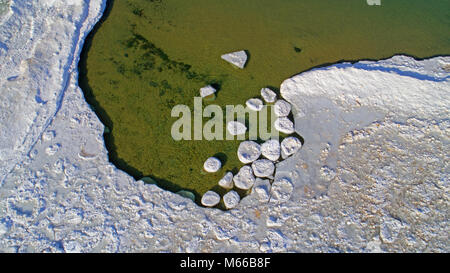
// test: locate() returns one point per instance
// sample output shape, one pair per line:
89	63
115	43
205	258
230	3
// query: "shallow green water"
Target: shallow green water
150	55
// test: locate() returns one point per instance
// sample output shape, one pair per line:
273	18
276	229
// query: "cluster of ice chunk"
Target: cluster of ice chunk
258	175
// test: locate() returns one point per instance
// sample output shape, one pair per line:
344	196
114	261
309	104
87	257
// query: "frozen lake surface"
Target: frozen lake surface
372	175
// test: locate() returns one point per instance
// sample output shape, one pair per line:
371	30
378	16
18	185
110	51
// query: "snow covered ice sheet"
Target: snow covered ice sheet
372	175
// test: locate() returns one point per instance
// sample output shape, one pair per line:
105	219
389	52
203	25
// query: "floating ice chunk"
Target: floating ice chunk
282	108
248	151
231	199
262	189
227	181
284	125
236	128
210	199
212	165
207	91
244	179
271	149
281	190
238	58
254	104
263	168
290	146
268	95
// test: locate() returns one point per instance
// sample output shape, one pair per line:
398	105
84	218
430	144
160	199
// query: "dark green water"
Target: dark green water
148	56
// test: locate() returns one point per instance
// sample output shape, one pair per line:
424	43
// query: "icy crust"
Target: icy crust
376	137
40	61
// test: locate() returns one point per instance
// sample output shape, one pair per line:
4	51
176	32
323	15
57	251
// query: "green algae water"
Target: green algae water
147	56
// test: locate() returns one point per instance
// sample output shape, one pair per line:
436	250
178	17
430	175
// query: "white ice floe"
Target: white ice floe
268	95
284	125
244	179
271	149
263	168
254	104
282	108
212	165
236	128
227	181
231	199
207	91
210	199
238	58
248	151
262	189
290	146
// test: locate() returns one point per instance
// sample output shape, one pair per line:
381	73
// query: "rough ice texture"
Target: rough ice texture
375	158
248	151
238	58
212	165
210	199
